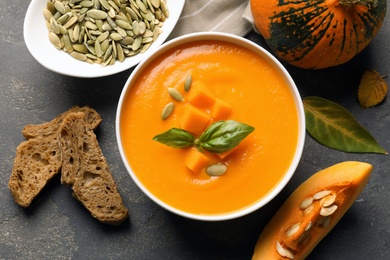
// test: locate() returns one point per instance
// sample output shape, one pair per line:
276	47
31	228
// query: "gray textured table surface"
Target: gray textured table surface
57	226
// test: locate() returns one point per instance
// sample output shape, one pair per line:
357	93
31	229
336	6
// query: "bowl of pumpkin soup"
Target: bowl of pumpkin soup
210	126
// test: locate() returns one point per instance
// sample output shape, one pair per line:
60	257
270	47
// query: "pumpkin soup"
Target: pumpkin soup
227	82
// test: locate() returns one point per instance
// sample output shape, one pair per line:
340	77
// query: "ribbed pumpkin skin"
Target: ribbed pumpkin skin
316	34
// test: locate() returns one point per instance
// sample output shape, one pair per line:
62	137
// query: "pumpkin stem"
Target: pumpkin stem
368	3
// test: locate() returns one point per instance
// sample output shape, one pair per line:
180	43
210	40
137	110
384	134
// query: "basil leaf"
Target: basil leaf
223	136
334	126
176	138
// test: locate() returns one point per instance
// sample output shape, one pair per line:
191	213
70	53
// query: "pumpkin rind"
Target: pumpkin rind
316	33
344	182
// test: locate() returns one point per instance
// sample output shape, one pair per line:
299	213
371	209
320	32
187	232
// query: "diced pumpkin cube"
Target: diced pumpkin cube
201	96
220	109
194	120
196	161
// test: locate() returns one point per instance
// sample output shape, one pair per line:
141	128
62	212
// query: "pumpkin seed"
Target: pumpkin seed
148	16
283	251
327	211
123	24
108	53
120	53
175	94
142	28
97	14
306	203
78	56
76	32
104	45
329	200
107	61
114	50
102	36
86	3
50	7
137	43
98	49
155	3
132	14
135	26
167	111
141	6
127	40
70	22
217	169
47	14
67	43
116	36
80	48
293	229
104	31
308	209
164	8
188	83
121	31
90	25
64	18
308	226
55	40
54	26
319	195
59	6
145	47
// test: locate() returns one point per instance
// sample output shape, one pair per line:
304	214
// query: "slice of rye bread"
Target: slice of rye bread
49	128
38	159
87	170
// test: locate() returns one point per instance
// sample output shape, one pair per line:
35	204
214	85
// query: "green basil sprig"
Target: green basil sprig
217	138
176	138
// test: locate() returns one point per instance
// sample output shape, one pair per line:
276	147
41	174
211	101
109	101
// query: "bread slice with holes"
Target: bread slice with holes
38	159
50	128
86	169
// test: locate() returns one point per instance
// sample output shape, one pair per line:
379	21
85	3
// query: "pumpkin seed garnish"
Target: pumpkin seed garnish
85	22
188	83
167	111
217	169
175	94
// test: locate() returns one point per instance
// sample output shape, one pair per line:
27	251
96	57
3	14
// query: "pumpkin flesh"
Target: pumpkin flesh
299	229
319	33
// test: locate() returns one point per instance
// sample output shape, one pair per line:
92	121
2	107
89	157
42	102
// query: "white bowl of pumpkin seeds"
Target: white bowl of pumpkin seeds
96	38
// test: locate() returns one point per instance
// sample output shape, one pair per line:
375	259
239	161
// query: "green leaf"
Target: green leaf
223	136
176	138
333	126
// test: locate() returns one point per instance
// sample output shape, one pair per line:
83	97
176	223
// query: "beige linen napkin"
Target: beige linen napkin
230	16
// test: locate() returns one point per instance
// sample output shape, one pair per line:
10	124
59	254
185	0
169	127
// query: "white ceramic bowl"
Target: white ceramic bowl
37	41
268	57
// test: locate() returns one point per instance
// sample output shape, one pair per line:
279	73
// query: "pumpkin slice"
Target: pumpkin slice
311	211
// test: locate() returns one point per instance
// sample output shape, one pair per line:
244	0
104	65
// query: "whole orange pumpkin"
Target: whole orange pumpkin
316	34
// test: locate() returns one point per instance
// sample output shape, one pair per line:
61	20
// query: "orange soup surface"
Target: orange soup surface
228	82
